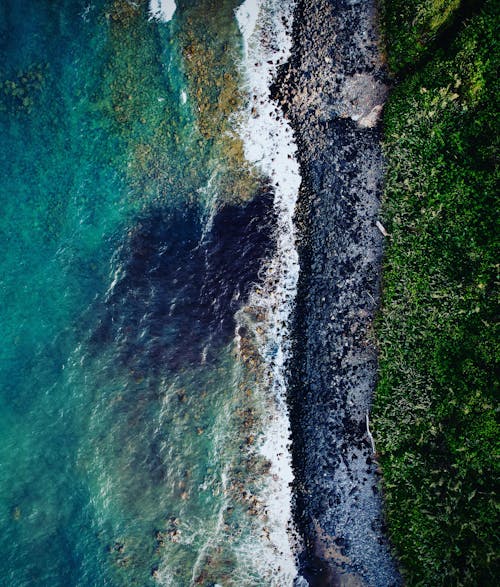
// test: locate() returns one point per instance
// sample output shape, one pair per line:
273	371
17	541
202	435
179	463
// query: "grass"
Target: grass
435	408
412	27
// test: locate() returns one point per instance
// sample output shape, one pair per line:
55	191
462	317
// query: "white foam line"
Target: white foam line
162	10
268	141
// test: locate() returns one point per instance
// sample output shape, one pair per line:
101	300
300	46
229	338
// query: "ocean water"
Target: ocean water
147	277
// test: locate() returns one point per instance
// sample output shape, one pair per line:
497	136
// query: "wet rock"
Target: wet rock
333	92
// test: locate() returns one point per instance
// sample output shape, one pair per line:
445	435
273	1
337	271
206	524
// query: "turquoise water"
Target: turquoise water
132	233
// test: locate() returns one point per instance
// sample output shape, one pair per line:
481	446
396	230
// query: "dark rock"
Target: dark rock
333	91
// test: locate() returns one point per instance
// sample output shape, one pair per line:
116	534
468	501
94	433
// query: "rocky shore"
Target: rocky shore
333	90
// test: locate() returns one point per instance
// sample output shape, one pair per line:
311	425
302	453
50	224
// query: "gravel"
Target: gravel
333	90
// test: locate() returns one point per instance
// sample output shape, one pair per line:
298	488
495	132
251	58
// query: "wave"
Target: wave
162	10
269	144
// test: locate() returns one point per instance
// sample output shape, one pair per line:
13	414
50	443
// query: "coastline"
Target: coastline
250	296
269	147
338	507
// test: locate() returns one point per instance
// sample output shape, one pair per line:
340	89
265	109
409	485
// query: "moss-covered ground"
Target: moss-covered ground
435	412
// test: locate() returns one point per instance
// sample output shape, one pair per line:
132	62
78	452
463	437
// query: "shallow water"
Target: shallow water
141	372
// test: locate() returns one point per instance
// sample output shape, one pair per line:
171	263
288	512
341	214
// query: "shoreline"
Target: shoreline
269	146
332	90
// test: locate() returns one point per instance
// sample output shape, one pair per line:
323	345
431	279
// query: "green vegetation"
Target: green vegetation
411	28
435	408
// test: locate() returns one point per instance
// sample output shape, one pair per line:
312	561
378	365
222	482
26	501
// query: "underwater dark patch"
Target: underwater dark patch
178	289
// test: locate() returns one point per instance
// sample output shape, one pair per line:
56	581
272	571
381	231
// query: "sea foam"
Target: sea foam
162	10
269	144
